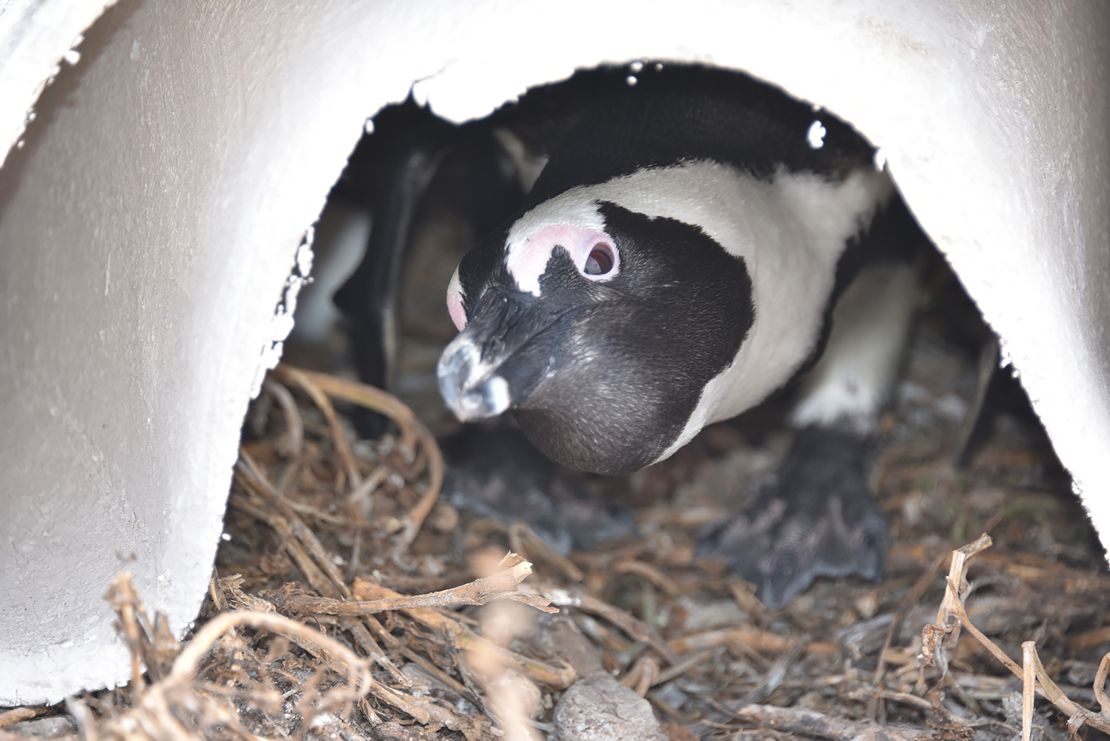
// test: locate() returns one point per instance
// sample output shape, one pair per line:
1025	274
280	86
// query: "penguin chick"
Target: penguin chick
678	261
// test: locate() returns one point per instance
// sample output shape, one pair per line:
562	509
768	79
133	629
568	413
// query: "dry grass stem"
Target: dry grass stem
307	382
501	585
943	634
464	639
412	430
19	714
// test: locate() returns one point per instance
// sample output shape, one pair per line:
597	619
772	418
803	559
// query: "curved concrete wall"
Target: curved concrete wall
150	220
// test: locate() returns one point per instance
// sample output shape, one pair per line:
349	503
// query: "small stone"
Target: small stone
867	605
599	708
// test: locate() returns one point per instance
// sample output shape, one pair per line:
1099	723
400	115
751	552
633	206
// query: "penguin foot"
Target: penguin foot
494	472
816	517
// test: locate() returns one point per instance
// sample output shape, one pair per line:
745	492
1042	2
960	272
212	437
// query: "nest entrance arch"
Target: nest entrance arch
158	203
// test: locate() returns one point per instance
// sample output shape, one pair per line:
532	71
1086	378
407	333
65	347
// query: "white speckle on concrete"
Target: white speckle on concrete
1005	359
419	92
816	134
880	159
72	56
631	80
304	253
136	50
282	322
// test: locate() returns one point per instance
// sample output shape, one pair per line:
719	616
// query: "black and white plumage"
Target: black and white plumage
677	262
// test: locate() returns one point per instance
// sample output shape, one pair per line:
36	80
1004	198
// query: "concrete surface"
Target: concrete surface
36	39
150	220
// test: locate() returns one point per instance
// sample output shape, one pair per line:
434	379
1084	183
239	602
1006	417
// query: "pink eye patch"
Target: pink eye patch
455	302
591	250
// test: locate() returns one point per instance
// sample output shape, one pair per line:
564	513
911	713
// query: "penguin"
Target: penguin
694	245
416	173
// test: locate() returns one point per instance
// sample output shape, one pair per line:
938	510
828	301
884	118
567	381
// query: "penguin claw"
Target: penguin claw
815	518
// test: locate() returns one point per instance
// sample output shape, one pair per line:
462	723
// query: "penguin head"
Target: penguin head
596	326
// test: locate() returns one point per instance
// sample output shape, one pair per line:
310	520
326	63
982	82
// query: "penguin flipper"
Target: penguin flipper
413	143
816	517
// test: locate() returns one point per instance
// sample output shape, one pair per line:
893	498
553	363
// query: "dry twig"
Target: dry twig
307	382
952	615
500	585
16	715
463	639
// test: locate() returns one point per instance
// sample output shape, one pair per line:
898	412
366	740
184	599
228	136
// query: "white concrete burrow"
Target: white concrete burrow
152	212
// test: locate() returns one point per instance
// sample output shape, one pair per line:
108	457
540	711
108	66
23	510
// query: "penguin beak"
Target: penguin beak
497	361
471	387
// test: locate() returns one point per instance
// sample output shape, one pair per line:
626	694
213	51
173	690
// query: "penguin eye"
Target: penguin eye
600	261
